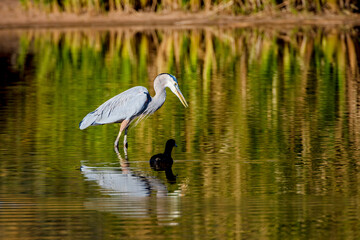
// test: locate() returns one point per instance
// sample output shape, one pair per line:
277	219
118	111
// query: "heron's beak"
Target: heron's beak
175	145
180	96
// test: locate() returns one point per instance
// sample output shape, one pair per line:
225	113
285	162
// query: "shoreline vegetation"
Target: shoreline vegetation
250	71
177	13
244	7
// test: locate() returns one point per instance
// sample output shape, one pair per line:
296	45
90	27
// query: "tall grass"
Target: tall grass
228	6
257	65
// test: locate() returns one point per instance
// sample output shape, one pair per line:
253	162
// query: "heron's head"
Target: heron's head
171	82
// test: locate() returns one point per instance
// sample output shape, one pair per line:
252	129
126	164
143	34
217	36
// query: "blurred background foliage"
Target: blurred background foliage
236	80
225	6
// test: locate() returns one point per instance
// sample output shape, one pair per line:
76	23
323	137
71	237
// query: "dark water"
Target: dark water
268	148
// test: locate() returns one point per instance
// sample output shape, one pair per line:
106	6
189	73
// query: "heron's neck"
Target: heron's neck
158	100
160	93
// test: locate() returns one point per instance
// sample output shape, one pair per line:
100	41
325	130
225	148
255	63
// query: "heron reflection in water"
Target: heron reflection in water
134	102
134	192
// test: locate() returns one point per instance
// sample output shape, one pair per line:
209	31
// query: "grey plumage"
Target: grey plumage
126	105
134	102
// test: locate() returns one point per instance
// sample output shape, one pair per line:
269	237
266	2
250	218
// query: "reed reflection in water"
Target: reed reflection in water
268	147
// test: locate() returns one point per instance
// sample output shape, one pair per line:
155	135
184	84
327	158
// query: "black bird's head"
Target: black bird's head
170	143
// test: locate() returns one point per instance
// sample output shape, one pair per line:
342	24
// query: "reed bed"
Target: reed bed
252	63
225	6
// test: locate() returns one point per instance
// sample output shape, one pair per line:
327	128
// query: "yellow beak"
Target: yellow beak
181	97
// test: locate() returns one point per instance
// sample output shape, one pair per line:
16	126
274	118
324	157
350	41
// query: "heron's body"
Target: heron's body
132	103
163	161
124	106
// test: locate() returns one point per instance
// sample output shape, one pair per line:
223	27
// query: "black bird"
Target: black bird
163	161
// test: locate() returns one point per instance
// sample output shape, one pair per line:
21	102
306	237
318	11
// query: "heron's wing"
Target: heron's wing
126	105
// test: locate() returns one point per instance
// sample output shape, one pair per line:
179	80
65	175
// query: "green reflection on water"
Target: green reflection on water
273	127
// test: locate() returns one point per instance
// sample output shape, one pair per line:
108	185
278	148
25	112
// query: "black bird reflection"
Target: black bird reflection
164	161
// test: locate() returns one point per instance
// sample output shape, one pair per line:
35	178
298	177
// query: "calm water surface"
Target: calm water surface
268	149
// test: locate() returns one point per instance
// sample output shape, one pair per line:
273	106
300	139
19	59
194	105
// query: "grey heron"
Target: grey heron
132	103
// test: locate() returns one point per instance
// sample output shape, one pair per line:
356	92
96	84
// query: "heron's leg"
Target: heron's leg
125	139
125	143
123	126
116	143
